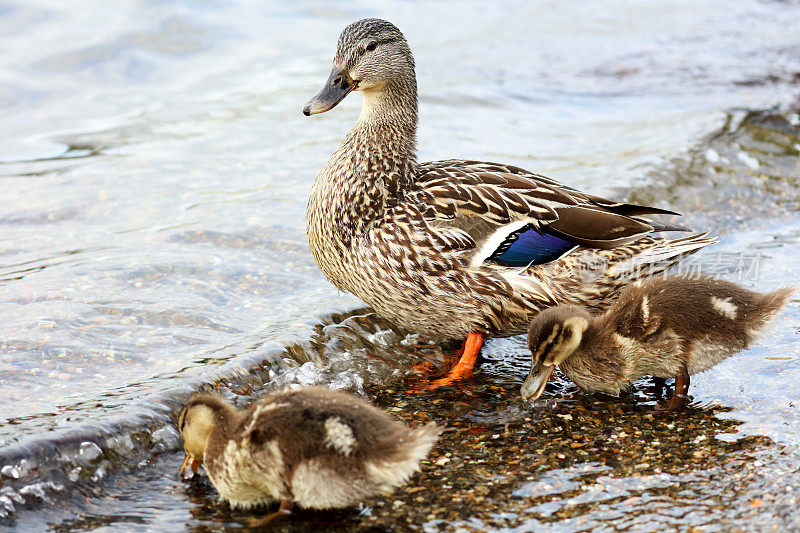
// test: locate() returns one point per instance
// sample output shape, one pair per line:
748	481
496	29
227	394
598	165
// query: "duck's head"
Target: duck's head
200	415
554	335
371	55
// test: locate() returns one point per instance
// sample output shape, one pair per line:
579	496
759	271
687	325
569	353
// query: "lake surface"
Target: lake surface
155	168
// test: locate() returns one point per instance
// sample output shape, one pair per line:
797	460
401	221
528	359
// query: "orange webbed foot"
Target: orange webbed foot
423	369
464	367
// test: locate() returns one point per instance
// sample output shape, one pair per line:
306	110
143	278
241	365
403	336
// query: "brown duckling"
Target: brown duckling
664	327
317	447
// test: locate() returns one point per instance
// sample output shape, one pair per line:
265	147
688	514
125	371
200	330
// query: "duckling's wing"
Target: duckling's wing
635	315
512	217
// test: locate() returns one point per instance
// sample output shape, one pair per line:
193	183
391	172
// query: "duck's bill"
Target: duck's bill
535	382
336	88
191	462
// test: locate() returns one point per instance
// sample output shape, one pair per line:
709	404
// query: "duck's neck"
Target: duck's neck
385	135
394	104
375	165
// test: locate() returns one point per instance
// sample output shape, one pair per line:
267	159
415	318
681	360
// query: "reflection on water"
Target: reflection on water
155	169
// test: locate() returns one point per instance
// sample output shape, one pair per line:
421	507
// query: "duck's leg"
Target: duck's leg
681	389
658	385
463	368
284	510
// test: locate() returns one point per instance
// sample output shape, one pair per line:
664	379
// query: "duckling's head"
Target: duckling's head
200	415
554	335
372	54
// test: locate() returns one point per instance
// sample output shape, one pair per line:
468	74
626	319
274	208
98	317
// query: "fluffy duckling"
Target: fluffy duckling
316	447
664	327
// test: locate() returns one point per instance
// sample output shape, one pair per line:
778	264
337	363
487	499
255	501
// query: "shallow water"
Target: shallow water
156	167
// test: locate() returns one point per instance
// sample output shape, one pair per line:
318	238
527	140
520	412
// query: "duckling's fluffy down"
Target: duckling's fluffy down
316	447
317	486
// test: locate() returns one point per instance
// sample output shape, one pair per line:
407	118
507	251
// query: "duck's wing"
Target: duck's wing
516	218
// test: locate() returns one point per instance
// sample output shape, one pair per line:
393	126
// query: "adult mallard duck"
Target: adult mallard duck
665	328
458	249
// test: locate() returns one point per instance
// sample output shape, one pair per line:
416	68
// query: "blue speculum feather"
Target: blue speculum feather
528	246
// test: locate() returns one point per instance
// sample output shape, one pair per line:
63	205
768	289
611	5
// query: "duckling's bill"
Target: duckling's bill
536	381
338	86
190	461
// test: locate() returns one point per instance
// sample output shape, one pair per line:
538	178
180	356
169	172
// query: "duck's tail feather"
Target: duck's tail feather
774	301
598	276
766	308
658	258
663	226
395	469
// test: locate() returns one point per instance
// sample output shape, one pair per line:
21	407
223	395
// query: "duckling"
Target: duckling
317	447
663	327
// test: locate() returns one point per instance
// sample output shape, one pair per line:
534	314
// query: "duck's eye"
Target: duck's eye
372	46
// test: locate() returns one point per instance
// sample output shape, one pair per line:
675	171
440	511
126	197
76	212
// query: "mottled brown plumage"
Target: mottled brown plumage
316	447
423	243
662	327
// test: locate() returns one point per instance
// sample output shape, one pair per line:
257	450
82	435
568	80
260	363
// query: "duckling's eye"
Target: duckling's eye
548	348
372	46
